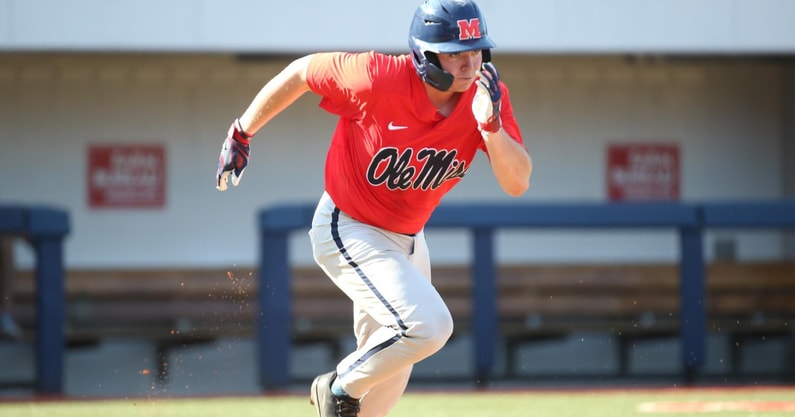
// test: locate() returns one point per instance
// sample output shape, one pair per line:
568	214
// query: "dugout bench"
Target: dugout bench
176	308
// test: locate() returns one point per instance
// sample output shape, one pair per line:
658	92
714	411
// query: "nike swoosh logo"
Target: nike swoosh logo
393	126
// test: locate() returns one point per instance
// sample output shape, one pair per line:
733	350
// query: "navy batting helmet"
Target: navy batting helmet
446	26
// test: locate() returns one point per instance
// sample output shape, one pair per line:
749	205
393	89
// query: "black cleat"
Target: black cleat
328	404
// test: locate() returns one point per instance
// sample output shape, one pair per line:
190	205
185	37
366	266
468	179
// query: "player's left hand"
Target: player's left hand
234	156
488	99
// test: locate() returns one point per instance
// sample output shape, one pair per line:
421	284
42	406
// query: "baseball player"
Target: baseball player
409	128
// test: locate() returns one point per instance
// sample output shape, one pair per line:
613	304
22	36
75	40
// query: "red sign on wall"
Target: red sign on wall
126	176
643	172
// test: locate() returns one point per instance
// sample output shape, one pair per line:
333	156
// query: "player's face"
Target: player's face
464	66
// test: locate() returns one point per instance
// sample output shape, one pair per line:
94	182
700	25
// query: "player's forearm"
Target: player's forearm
510	162
281	91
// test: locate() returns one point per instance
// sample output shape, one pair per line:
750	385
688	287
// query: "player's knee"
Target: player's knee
444	329
434	331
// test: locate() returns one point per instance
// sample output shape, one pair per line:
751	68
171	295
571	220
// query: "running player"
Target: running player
409	127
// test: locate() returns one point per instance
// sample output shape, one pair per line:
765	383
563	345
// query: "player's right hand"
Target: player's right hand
234	156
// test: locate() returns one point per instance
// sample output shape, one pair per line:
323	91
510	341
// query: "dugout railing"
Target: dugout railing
45	229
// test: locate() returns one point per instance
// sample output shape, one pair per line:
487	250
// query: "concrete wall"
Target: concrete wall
724	114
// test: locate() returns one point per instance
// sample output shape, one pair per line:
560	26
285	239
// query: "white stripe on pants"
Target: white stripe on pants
399	317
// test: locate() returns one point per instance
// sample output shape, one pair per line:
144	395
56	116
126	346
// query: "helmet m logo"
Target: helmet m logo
470	29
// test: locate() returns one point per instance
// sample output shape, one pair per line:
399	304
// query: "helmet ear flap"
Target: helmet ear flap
433	59
436	76
430	70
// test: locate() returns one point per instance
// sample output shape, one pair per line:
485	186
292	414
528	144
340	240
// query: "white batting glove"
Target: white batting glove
488	99
234	156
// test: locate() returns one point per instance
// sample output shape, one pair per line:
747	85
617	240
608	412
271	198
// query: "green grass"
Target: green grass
579	403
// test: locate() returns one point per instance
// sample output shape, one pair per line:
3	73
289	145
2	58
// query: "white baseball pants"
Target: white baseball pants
399	317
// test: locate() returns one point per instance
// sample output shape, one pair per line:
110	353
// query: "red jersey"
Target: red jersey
393	156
